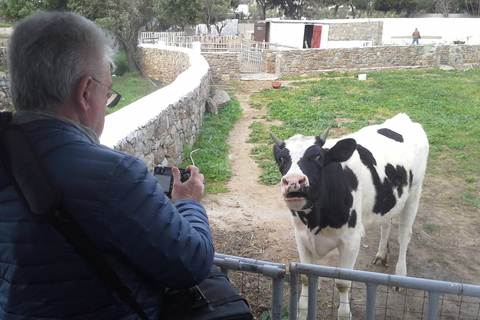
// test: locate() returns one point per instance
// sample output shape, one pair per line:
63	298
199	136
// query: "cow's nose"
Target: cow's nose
293	182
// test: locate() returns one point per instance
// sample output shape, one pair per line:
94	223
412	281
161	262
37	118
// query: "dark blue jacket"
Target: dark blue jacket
148	241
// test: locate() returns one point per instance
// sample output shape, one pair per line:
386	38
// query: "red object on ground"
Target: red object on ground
276	84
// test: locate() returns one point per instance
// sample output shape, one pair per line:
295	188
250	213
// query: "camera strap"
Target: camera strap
42	196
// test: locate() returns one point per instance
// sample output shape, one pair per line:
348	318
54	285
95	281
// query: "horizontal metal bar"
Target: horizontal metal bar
268	269
387	280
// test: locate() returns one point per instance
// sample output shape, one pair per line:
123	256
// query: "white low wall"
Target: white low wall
156	127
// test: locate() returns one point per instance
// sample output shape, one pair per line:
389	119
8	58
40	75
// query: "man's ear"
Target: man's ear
84	93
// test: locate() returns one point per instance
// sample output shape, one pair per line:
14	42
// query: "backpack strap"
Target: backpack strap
42	196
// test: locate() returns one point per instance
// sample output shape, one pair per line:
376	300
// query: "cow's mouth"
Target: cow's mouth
295	196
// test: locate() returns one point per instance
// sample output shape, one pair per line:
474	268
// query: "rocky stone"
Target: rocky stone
218	99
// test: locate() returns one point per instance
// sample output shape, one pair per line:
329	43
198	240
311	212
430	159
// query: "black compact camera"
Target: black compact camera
165	178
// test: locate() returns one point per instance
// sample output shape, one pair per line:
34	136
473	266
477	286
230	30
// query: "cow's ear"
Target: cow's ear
276	149
341	151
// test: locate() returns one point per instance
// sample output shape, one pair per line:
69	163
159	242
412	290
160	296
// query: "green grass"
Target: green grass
446	103
212	148
131	89
432	227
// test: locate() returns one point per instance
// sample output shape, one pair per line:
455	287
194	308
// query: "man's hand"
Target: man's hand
191	189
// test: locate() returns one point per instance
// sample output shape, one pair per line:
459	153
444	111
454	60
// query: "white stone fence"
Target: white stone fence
157	127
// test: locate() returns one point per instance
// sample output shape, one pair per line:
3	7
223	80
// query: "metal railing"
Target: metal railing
432	304
209	43
373	280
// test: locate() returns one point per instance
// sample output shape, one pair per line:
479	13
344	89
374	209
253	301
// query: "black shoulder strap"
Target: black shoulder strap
42	196
64	223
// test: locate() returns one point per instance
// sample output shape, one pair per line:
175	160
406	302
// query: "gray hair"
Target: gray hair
48	55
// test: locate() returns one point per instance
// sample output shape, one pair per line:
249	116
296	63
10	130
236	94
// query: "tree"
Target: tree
357	6
446	6
264	6
123	18
471	6
180	13
407	6
214	11
14	10
291	8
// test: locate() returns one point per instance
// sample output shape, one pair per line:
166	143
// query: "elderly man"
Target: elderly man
61	84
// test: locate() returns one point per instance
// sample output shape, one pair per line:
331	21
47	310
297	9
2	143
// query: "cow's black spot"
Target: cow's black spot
391	134
351	179
352	222
331	197
397	177
411	179
366	157
282	158
303	217
385	199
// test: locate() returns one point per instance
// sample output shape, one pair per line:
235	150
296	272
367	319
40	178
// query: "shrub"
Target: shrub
120	60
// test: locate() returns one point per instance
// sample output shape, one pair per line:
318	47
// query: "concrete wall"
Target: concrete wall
159	126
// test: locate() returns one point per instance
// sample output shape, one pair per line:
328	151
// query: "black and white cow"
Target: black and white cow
338	189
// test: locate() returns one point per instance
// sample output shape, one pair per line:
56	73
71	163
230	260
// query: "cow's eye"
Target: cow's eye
318	158
281	159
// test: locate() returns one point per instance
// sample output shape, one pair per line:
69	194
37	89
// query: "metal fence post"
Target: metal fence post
433	298
293	304
371	299
312	297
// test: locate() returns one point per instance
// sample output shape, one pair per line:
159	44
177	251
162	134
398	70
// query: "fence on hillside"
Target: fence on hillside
273	292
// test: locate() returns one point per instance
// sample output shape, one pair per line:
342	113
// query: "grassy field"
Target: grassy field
131	89
446	103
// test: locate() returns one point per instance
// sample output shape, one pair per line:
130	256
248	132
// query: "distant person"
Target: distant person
416	36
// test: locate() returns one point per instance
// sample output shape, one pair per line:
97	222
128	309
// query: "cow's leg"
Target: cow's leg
348	252
305	257
407	217
381	256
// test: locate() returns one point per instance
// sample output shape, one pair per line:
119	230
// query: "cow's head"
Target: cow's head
301	160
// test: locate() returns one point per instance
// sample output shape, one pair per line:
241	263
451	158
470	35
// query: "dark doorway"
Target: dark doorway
307	36
260	31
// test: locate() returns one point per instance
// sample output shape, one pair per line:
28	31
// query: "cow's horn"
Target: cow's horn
325	134
279	142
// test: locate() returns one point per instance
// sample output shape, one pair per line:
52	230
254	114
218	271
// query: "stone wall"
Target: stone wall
3	55
289	63
5	100
159	126
162	65
366	31
310	62
225	66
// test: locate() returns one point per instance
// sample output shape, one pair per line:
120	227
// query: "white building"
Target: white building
396	31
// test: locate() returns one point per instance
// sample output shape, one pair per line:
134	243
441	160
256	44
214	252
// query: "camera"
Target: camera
165	178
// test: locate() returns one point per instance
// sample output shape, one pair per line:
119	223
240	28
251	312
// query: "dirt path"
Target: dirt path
250	210
252	221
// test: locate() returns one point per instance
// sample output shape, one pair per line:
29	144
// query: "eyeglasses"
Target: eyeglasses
113	97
